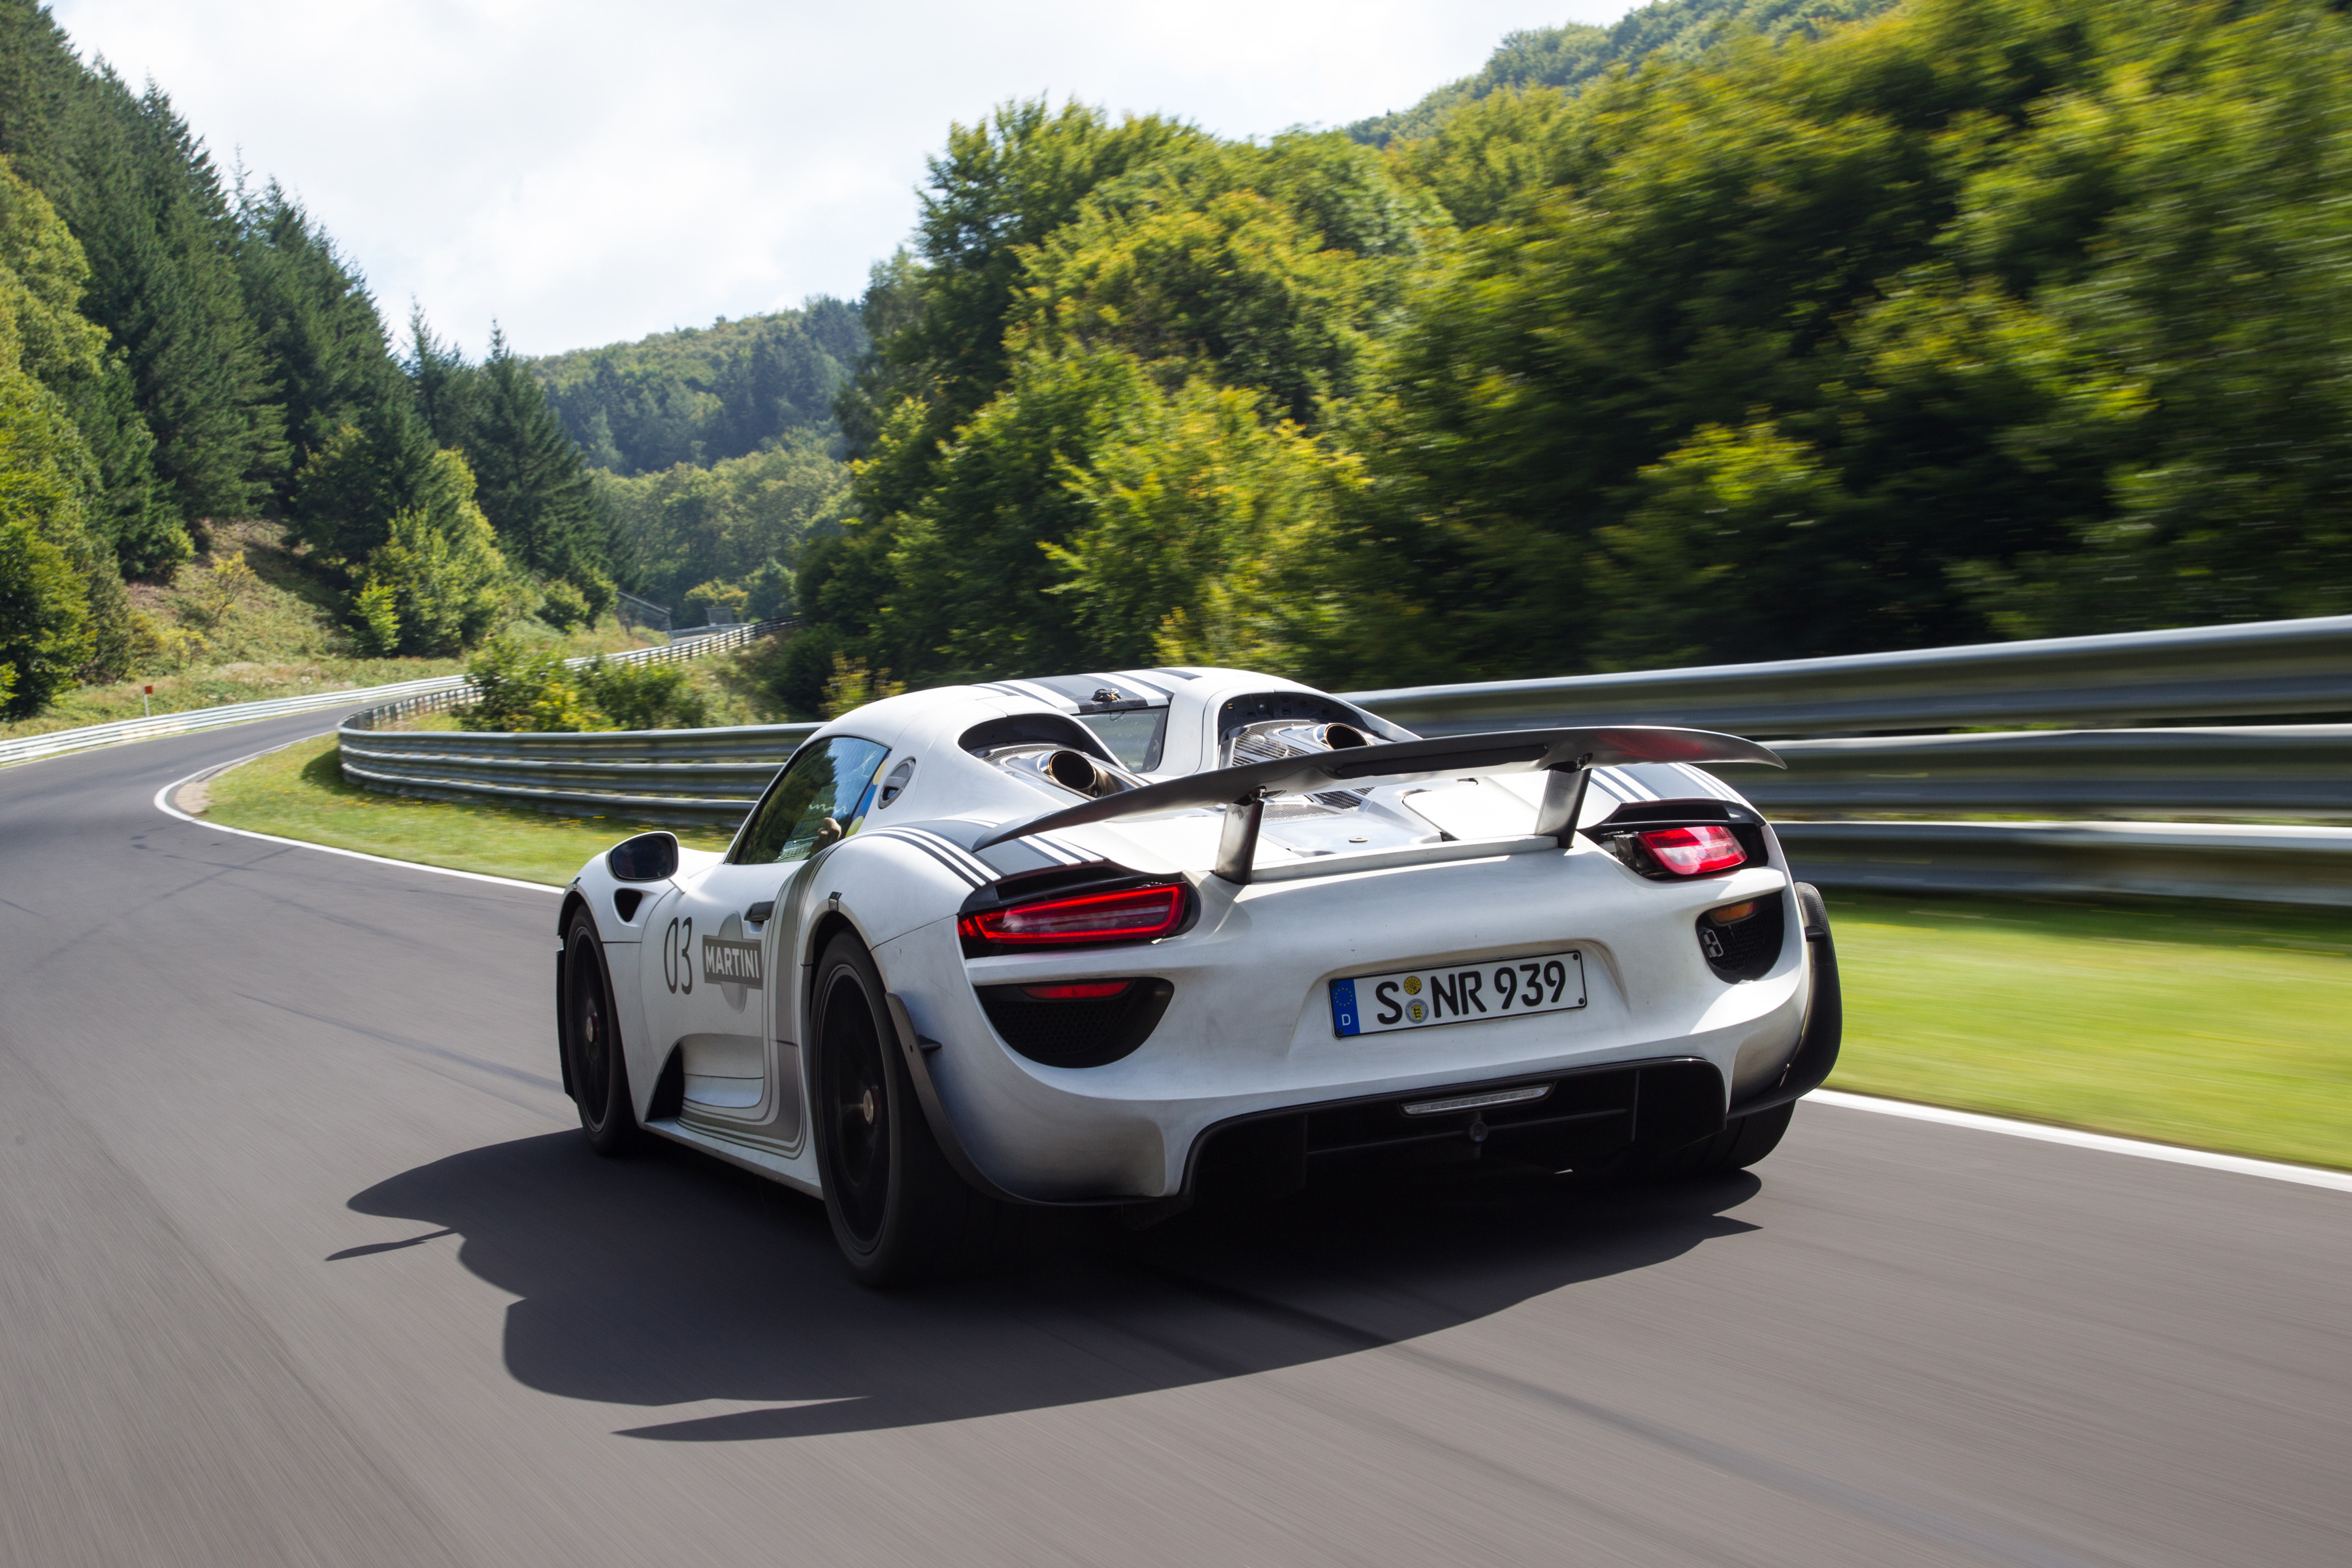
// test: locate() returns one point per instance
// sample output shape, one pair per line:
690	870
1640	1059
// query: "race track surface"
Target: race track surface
302	1261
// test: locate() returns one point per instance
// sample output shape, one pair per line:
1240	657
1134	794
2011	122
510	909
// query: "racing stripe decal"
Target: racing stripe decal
1608	782
1628	785
1062	852
939	849
1708	782
964	860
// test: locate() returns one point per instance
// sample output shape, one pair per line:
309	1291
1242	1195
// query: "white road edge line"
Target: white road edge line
163	804
2269	1170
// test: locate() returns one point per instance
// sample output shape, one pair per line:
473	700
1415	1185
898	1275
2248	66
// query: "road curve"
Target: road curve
302	1261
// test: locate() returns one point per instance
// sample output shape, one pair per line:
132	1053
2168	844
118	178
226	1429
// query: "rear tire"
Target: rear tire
899	1213
1743	1141
592	1042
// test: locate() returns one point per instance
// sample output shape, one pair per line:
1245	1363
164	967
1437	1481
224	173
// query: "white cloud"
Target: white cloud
585	171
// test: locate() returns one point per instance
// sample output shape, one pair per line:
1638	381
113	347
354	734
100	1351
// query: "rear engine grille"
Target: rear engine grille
1581	1118
1077	1031
1743	941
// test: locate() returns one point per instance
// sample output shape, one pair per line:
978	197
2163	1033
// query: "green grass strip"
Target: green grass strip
299	792
2214	1026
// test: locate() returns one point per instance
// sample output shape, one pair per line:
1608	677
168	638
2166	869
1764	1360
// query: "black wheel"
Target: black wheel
1743	1141
592	1044
900	1213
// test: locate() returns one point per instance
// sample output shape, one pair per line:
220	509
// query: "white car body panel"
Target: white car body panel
1248	1028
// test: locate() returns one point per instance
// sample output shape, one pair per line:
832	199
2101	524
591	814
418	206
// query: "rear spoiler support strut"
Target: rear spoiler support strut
1237	845
1568	756
1563	799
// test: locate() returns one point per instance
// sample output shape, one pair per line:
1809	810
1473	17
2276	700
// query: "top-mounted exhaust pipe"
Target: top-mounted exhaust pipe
1078	772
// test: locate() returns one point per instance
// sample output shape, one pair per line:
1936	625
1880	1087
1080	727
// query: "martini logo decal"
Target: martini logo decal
725	963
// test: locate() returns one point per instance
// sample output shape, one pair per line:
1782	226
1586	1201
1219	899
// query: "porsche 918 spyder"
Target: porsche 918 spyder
1154	937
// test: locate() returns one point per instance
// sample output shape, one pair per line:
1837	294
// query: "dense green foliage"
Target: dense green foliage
180	352
519	687
702	394
1983	318
318	325
62	608
1091	301
732	527
1995	317
1747	329
1571	55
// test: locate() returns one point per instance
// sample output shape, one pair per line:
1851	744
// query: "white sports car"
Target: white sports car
1160	936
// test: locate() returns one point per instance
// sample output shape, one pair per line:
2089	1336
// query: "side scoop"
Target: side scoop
1407	761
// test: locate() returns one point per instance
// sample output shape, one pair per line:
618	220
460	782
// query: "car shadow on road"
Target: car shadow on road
670	1280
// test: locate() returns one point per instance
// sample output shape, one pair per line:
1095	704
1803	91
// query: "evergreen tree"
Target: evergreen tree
446	388
436	583
365	474
319	327
535	487
146	201
43	269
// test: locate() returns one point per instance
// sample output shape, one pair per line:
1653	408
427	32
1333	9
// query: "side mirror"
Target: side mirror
647	857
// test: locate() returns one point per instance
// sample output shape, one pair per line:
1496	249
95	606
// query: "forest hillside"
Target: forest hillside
180	357
1780	331
1974	319
701	395
715	449
1571	55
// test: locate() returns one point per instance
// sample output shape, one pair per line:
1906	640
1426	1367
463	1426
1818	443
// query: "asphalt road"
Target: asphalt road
302	1261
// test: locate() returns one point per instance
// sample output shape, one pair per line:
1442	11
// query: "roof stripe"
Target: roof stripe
1043	693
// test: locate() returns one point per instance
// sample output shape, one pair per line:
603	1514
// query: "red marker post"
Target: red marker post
146	701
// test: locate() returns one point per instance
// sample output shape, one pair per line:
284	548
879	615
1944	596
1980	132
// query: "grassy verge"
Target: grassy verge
2221	1029
2225	1028
299	792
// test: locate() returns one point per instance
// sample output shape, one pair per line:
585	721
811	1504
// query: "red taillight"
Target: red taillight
1074	991
1695	851
1131	915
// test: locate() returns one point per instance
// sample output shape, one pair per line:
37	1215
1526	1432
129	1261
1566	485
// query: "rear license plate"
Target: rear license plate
1457	993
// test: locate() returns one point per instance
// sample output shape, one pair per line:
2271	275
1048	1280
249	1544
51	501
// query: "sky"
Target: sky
585	172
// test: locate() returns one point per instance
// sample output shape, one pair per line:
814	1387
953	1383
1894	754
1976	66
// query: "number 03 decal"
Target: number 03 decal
677	965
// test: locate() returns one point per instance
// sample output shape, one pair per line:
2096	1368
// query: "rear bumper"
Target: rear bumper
1817	1046
1231	1054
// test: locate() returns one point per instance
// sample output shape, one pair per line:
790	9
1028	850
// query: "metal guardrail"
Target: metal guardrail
2302	667
712	776
2290	771
58	743
2137	859
709	777
405	697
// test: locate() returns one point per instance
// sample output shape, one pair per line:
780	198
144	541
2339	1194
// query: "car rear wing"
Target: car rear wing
1567	755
